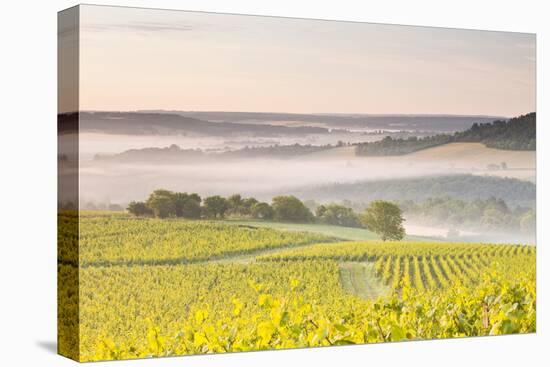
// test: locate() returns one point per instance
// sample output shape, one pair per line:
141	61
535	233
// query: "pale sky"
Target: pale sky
134	59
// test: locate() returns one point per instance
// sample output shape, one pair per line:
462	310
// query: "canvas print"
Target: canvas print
234	183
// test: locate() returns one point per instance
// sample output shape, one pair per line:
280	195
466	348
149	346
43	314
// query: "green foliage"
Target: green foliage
398	146
342	233
235	204
139	209
135	302
123	240
262	211
187	205
461	186
234	307
279	151
480	214
385	219
377	250
518	133
162	203
337	215
240	207
215	207
291	209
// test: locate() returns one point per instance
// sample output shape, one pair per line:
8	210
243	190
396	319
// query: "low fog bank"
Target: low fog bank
92	143
353	182
256	177
262	178
259	177
452	233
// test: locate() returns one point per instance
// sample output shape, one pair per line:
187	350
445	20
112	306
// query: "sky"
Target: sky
132	59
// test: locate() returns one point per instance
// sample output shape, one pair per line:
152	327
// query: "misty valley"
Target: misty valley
240	218
460	162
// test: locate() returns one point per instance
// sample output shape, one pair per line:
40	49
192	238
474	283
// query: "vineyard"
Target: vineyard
152	288
119	240
422	266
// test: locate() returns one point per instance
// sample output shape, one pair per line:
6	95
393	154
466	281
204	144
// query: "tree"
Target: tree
320	211
235	203
162	203
337	215
248	204
385	219
139	209
215	207
291	209
262	211
187	205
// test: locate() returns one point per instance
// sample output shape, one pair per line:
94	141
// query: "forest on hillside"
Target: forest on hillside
463	187
518	133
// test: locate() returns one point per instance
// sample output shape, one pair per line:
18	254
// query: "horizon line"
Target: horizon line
174	111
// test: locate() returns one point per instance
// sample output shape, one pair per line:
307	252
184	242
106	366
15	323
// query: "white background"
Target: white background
28	182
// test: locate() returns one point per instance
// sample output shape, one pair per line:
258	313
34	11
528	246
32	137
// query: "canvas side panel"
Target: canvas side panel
68	336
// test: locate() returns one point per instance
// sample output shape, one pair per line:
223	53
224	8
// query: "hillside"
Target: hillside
134	123
175	154
463	187
518	133
434	123
476	155
452	158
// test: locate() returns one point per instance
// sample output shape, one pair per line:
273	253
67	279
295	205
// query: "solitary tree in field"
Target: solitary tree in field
385	219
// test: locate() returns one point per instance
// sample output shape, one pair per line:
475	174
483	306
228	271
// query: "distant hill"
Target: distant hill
171	154
464	187
135	123
175	154
433	123
518	133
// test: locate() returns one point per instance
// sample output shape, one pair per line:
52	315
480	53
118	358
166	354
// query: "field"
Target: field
460	157
344	233
151	287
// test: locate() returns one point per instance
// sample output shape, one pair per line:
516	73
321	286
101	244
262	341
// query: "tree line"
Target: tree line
381	217
175	153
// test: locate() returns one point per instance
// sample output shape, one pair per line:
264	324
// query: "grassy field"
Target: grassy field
343	233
